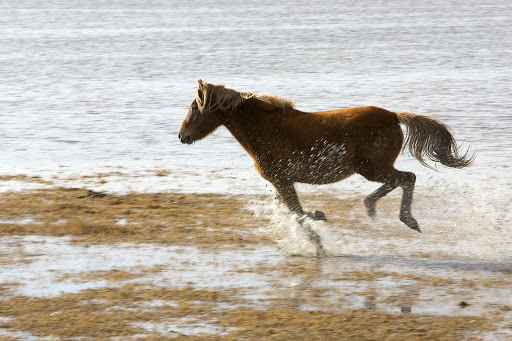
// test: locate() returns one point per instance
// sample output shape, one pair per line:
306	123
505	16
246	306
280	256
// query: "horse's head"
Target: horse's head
200	120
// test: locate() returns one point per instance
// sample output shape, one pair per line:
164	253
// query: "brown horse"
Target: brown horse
290	146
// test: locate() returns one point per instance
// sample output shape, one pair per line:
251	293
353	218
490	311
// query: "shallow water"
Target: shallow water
263	276
108	83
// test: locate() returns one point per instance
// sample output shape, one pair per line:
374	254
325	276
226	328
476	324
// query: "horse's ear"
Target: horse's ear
201	89
201	85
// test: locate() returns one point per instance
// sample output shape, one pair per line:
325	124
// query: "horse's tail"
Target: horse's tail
431	138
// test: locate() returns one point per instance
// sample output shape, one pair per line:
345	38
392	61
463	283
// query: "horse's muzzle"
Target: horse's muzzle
184	139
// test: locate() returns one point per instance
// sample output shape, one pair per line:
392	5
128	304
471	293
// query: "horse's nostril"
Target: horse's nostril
184	139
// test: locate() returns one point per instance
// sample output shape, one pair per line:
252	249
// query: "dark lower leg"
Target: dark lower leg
391	179
407	183
287	194
371	200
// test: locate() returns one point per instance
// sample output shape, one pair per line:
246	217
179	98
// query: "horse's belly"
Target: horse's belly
322	175
331	163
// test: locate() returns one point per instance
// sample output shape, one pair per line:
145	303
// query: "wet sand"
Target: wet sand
80	264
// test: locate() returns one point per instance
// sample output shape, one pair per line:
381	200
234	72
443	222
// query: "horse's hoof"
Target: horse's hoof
411	223
319	215
320	252
416	228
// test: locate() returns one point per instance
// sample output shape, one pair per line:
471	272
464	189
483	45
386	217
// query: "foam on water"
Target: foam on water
293	234
290	235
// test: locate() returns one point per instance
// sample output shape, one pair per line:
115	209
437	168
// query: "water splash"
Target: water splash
300	236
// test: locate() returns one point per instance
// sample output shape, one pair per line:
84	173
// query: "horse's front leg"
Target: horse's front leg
286	193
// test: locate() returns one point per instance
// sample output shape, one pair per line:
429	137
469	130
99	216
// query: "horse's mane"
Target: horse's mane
218	97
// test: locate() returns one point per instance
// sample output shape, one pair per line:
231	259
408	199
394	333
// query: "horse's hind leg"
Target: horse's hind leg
371	201
407	182
392	178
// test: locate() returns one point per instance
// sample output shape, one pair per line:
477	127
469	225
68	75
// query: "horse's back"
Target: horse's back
367	115
374	132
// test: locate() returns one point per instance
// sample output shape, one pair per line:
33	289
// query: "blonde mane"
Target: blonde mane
217	97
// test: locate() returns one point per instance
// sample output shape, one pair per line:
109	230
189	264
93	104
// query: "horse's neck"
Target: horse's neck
253	127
